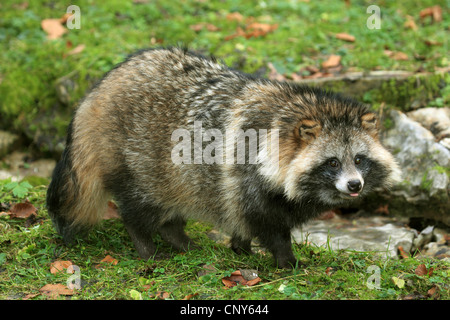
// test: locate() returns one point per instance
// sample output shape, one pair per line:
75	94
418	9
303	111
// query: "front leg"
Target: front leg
278	242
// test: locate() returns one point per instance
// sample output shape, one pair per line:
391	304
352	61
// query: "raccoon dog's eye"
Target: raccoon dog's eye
334	163
357	160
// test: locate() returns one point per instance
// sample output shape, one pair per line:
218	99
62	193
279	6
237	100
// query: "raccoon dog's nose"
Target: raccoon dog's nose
354	185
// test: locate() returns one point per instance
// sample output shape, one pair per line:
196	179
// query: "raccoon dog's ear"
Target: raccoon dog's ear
369	122
307	130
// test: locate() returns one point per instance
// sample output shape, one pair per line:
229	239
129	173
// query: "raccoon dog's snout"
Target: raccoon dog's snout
354	185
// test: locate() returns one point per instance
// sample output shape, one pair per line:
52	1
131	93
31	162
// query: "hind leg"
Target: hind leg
241	246
141	235
172	231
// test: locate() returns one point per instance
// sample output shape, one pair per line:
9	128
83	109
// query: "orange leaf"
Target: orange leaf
235	16
53	28
421	270
345	37
332	61
396	55
190	296
109	259
54	290
59	266
410	24
162	295
435	12
403	254
79	48
237	277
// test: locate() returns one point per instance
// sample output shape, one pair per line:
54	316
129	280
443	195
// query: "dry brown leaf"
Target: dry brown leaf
190	296
435	12
65	17
421	270
162	295
235	16
58	266
109	259
256	29
345	37
79	48
432	291
22	210
200	26
410	24
54	290
53	28
328	271
244	277
332	61
432	43
396	55
274	74
403	254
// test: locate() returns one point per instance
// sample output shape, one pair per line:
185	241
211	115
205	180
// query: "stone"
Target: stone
425	163
380	234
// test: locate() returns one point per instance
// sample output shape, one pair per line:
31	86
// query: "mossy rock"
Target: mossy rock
396	89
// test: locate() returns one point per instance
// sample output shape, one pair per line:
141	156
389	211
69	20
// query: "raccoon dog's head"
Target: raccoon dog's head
338	156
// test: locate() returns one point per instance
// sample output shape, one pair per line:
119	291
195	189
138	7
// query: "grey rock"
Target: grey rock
424	191
382	235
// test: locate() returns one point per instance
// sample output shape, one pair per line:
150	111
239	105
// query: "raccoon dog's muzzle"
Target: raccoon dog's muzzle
350	184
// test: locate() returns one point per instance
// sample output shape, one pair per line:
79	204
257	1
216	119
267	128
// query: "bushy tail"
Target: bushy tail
76	199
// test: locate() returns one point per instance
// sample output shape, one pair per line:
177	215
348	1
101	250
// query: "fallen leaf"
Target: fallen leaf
328	271
421	270
30	296
432	43
235	16
237	277
256	29
190	296
410	24
332	61
435	12
414	296
109	259
59	266
65	17
396	55
432	292
53	28
162	295
400	283
200	26
345	37
274	74
22	210
54	290
79	48
403	254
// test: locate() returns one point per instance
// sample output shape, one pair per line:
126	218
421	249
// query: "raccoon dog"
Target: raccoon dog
121	146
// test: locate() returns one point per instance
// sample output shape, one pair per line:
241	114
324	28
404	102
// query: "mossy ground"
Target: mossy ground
29	246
